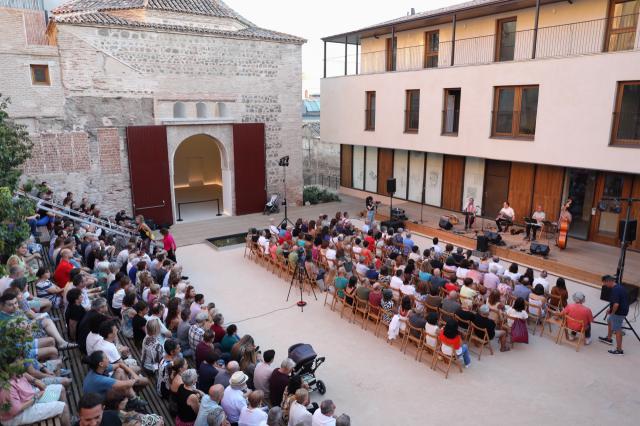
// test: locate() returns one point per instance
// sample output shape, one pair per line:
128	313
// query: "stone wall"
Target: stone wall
321	159
263	79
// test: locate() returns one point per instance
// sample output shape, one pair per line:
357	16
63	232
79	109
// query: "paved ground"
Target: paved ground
541	383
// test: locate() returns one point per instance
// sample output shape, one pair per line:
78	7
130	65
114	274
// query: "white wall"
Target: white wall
576	102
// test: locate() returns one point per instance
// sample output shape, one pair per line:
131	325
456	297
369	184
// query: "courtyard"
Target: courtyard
376	384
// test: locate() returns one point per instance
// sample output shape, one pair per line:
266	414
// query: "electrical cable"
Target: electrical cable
262	315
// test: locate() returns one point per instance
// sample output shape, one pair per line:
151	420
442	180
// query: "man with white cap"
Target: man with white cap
576	312
234	399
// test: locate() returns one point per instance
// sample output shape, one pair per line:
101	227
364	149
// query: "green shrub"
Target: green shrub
315	195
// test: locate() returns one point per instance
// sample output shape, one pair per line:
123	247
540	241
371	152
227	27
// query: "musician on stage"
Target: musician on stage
505	216
539	216
469	214
371	209
565	214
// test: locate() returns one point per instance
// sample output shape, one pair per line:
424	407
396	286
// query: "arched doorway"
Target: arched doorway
198	178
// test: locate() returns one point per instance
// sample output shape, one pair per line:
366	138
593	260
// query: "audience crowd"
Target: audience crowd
139	324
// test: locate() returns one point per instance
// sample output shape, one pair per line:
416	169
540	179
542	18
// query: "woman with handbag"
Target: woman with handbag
517	321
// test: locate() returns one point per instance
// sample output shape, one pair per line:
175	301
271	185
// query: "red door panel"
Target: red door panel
149	171
249	158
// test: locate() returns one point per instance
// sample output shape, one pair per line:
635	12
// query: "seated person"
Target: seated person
578	312
505	217
482	321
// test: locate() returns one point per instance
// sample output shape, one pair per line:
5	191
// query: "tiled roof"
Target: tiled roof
440	11
197	7
102	18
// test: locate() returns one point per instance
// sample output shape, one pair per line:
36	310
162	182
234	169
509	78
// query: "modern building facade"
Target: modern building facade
526	101
146	104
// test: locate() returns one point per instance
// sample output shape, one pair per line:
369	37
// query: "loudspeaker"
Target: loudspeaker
539	248
395	224
632	292
482	244
444	223
493	237
391	185
632	225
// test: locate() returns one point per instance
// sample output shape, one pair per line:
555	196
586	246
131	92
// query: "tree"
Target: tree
14	229
16	338
15	147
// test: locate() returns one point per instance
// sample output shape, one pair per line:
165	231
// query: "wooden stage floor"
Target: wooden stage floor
583	261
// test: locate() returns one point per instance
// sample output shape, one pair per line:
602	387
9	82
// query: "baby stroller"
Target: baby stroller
307	362
273	205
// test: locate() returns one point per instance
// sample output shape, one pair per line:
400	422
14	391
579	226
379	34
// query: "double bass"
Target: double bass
563	225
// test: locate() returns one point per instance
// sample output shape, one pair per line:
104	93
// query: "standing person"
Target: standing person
145	232
618	310
371	209
169	244
470	214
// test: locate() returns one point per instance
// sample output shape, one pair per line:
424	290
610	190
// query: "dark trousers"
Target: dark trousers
503	222
531	229
468	221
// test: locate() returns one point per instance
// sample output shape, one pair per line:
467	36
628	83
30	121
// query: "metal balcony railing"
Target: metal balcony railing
411	120
369	119
514	123
619	33
626	127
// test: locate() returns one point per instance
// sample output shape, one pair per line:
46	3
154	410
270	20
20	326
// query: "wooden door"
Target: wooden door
547	191
635	211
346	166
249	167
521	187
496	186
149	173
605	224
452	182
385	169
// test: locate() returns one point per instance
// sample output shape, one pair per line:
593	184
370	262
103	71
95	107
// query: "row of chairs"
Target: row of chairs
356	309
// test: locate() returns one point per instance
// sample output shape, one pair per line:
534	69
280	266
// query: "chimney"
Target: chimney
413	11
306	93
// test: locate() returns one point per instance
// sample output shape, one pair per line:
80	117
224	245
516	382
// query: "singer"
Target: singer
469	214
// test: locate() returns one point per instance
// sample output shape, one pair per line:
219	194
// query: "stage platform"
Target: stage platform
583	261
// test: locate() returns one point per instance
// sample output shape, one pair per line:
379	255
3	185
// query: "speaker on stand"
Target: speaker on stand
391	189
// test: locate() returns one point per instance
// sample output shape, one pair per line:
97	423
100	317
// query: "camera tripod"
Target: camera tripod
299	275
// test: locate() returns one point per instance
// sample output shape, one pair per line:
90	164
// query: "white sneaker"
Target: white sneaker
587	341
571	337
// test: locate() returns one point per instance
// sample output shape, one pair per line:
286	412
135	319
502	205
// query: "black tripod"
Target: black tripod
284	163
299	275
623	255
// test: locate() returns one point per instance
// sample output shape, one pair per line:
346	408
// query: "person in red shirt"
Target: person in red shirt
169	244
62	274
578	312
451	340
217	328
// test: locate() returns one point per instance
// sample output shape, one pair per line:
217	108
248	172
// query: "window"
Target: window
515	110
202	110
622	24
451	112
506	39
431	46
390	56
40	75
179	110
370	112
626	117
412	111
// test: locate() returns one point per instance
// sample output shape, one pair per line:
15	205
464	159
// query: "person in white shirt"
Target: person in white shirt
262	372
396	282
361	266
539	216
108	332
234	400
324	415
253	414
123	256
495	261
505	216
435	247
263	241
542	279
298	413
125	285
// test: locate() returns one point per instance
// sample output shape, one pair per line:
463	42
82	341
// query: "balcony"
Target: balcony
580	38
